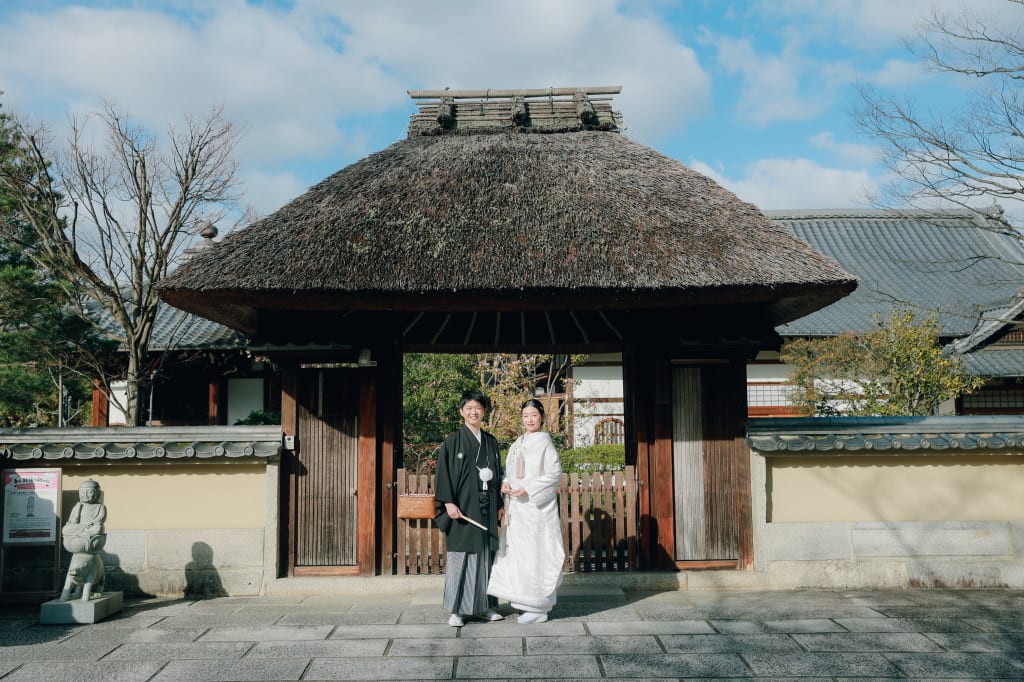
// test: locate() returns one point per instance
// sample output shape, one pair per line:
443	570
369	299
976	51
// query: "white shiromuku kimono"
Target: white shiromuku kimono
528	568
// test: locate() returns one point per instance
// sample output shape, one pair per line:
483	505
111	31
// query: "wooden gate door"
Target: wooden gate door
325	481
708	467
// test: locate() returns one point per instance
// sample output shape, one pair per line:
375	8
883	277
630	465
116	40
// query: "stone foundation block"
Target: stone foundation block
97	608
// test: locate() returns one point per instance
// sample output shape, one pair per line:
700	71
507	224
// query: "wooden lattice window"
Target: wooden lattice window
610	431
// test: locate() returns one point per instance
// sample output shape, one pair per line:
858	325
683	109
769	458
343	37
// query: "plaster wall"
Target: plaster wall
896	488
196	528
195	494
898	520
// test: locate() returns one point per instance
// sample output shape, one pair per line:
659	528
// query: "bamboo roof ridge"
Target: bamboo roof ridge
540	110
583	217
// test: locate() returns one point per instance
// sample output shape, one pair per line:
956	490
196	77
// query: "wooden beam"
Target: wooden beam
100	405
366	545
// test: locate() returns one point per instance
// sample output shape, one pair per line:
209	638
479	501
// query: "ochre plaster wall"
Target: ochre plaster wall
157	496
974	487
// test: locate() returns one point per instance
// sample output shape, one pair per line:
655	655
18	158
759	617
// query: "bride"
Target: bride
528	568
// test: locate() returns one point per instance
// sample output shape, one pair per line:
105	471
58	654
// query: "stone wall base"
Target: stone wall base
956	554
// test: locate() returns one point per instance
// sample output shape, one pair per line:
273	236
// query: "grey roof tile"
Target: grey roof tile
953	263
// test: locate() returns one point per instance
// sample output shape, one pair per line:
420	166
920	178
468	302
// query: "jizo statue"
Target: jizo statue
84	536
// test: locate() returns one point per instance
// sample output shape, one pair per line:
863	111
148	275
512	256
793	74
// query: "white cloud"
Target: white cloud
268	192
773	184
285	90
532	43
306	81
771	84
898	73
847	152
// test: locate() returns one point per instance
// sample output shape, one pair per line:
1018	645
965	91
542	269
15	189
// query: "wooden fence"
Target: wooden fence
598	513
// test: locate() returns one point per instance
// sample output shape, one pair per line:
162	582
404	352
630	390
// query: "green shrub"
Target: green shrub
594	458
260	418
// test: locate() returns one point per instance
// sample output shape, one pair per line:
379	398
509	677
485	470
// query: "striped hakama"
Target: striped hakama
465	583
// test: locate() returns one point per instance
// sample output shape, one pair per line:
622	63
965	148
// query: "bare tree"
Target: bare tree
113	210
966	153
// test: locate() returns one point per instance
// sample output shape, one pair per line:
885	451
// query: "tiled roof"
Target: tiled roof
995	361
177	330
886	435
125	444
954	263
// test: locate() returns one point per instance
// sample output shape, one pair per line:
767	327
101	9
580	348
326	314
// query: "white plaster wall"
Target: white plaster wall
821	552
594	382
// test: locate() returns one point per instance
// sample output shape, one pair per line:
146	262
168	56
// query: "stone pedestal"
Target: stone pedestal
56	612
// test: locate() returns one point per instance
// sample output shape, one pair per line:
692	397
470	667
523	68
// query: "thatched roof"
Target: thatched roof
508	219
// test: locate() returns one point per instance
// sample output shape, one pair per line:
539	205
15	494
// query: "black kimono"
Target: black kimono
470	549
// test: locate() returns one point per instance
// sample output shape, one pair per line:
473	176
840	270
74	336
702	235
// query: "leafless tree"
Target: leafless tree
966	153
120	205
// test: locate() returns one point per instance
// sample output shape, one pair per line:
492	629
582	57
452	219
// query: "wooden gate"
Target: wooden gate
325	474
597	512
707	483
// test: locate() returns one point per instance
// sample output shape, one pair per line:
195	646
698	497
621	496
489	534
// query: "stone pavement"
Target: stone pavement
596	633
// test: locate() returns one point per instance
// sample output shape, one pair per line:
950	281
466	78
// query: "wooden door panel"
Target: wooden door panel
704	465
326	474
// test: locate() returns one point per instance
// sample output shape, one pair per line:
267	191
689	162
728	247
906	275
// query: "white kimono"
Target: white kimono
528	568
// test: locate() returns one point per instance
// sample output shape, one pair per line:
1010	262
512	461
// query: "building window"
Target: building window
994	401
610	431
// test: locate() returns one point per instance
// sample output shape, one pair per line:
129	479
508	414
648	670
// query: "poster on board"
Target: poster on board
31	506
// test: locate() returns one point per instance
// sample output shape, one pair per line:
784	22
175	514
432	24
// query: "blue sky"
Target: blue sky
755	94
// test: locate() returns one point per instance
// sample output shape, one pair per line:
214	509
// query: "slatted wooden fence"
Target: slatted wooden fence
597	510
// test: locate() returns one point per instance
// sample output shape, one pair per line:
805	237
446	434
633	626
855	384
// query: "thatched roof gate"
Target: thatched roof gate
517	220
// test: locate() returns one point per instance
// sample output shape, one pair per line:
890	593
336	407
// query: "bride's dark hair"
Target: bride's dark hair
533	402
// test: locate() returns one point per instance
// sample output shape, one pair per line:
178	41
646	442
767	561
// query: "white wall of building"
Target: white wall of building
597	394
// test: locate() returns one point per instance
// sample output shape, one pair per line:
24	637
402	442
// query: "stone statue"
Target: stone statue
84	536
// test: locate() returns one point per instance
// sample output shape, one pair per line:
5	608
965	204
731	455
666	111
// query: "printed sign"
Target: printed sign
31	505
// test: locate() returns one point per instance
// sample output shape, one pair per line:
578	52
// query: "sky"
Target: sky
758	94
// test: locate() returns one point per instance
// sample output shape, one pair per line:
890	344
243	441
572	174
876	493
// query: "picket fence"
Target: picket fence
598	512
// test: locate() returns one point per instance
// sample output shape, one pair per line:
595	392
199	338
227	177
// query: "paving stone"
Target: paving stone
754	612
520	667
510	628
905	625
479	646
61	651
16	624
622	644
274	633
850	665
218	619
673	665
868	641
961	665
998	624
592	612
953	611
40	634
139	635
165	651
250	670
339	648
657	627
692	644
115	671
750	627
398	668
441	630
978	642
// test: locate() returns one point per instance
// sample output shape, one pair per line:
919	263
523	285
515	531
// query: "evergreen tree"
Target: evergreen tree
899	369
45	378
